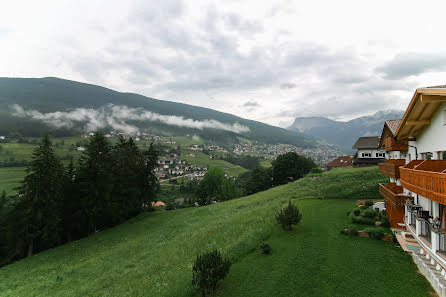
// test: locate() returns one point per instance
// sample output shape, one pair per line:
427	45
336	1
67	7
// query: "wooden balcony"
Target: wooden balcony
395	202
426	178
391	167
392	145
393	195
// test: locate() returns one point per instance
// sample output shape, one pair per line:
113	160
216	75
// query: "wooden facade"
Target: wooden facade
426	178
391	167
395	202
391	145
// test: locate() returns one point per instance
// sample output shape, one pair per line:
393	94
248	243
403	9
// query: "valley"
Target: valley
152	254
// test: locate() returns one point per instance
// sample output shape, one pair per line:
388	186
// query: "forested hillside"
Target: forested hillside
37	97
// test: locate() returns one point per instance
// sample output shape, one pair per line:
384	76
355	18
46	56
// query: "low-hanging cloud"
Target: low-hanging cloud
116	117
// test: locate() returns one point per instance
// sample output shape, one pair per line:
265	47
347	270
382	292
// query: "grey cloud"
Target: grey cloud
251	105
408	64
116	117
288	86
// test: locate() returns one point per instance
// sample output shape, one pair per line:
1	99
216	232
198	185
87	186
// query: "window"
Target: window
380	155
366	155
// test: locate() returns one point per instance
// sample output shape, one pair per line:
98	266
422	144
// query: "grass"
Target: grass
201	159
10	178
152	254
315	260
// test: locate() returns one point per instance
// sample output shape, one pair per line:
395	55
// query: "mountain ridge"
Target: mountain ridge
344	134
45	97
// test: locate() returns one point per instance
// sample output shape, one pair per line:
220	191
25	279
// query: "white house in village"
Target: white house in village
368	151
416	194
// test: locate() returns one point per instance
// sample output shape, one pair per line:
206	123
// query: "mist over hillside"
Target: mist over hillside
35	106
344	134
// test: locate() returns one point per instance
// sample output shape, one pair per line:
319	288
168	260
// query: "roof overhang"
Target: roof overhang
424	104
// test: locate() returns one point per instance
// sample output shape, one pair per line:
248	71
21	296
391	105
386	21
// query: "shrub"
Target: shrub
352	230
356	211
369	213
385	222
208	269
316	170
265	248
369	203
376	233
289	216
361	220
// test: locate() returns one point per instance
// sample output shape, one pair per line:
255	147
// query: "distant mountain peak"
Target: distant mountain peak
344	134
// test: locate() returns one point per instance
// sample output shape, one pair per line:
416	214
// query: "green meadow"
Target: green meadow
10	178
152	254
201	159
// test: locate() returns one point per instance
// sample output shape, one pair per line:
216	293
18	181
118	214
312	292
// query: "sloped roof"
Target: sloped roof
393	125
389	130
343	161
367	142
424	104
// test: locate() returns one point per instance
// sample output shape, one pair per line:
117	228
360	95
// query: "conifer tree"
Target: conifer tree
150	183
70	204
128	164
95	182
40	193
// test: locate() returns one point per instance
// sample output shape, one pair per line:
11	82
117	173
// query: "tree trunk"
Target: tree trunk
30	248
203	293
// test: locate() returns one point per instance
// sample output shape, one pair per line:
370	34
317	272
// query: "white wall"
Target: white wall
372	151
433	138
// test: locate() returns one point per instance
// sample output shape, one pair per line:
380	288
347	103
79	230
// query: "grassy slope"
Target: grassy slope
152	254
201	159
10	178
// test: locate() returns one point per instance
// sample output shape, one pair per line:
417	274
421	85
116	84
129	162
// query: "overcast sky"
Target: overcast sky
264	60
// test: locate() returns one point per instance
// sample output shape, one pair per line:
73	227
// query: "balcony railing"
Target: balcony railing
395	202
393	195
426	178
391	167
392	145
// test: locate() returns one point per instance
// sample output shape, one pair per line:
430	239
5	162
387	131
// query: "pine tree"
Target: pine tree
150	183
128	170
95	182
70	205
40	193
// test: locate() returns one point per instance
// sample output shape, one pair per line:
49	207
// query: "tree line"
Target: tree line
57	204
285	168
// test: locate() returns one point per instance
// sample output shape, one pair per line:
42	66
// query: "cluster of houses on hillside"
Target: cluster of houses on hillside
172	165
321	154
411	152
134	136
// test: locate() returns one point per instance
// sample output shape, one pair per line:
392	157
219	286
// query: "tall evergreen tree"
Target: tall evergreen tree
70	205
95	182
40	193
128	169
150	183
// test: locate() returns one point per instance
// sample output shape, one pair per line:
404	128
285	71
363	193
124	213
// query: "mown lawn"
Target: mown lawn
315	260
152	254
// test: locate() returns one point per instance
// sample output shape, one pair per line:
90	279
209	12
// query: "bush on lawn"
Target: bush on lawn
369	203
265	248
289	216
376	233
352	230
356	211
385	222
369	213
208	269
361	220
